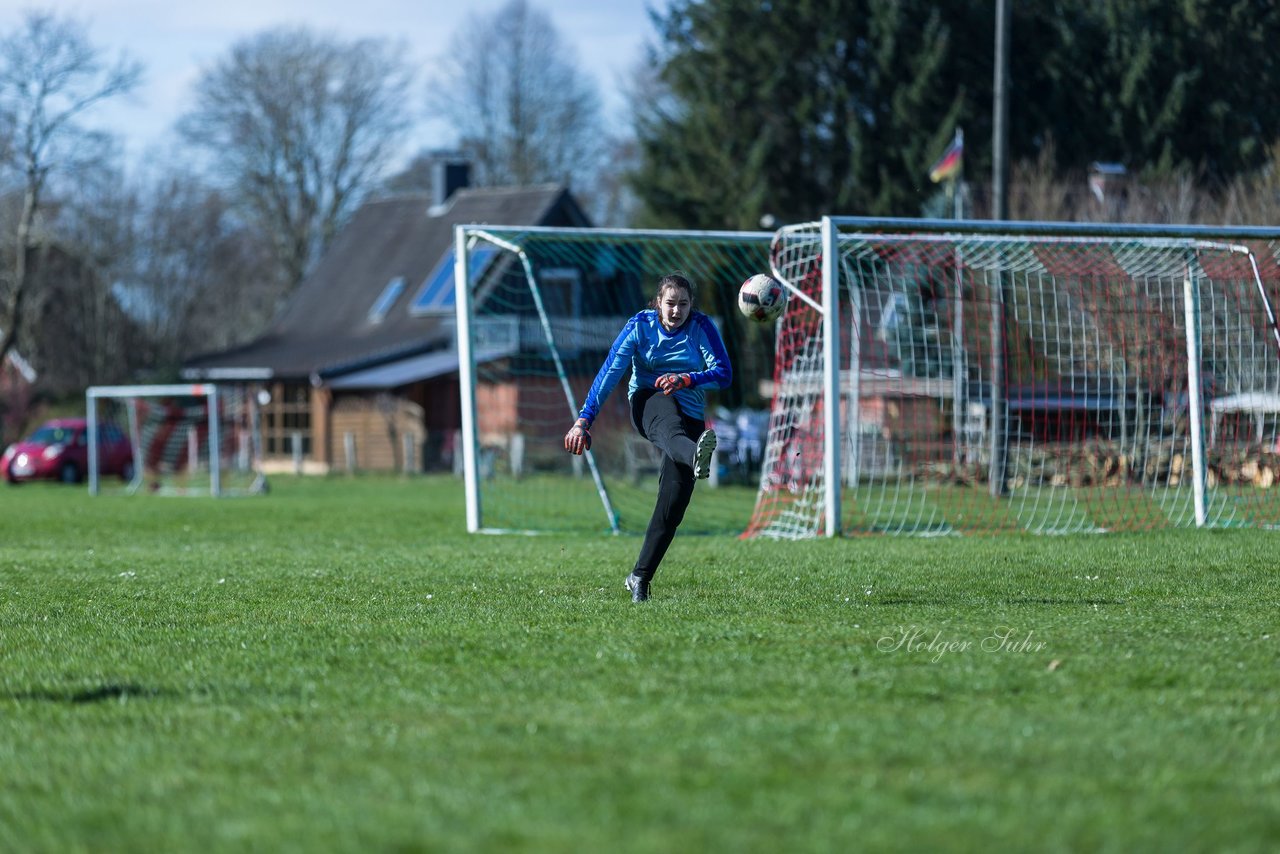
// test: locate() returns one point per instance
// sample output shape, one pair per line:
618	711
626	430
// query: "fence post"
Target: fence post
410	442
295	440
193	452
516	454
349	447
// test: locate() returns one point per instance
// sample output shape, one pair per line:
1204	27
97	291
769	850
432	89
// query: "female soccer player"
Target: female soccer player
674	353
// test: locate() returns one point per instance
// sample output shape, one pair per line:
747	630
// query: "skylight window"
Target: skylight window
386	299
437	295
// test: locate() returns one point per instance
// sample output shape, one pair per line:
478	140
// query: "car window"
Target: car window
50	435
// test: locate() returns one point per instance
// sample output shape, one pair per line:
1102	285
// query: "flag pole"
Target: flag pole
959	373
956	187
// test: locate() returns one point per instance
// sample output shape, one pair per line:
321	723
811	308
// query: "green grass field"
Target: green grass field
335	666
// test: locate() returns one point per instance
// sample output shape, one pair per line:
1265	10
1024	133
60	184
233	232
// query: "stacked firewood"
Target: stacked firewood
1165	462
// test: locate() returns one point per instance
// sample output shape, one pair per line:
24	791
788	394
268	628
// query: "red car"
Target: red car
59	450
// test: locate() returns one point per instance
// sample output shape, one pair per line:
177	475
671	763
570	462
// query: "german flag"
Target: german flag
948	165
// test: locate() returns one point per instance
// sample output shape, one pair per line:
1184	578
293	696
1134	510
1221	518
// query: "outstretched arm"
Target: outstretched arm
615	365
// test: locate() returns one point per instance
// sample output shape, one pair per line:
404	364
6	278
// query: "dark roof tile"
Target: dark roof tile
326	321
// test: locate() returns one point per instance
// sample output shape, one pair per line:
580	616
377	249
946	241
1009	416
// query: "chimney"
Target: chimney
449	174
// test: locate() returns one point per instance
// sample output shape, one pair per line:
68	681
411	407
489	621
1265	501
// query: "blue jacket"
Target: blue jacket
650	351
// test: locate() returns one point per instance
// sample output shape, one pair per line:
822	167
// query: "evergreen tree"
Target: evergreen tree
1159	86
788	111
839	106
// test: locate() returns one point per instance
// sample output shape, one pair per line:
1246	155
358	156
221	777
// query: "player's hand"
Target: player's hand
578	439
671	383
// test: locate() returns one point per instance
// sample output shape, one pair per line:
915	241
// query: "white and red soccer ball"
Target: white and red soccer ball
762	298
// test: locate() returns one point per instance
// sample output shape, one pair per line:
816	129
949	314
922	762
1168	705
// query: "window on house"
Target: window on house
561	290
386	299
437	295
286	417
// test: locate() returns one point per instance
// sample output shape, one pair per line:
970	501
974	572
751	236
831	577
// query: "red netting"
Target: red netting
1094	384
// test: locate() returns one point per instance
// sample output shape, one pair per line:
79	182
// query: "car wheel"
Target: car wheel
69	473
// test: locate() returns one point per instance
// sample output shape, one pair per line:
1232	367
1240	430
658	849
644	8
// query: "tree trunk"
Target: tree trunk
12	318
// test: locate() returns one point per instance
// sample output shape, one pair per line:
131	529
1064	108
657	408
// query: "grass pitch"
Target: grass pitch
336	666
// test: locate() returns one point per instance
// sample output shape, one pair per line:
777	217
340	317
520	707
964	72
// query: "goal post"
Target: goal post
193	439
537	310
1042	377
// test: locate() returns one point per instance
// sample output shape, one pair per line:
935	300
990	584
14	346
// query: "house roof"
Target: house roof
327	328
414	368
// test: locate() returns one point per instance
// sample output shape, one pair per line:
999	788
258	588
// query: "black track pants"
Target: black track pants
658	418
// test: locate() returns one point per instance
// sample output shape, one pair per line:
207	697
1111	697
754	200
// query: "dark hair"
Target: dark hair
674	279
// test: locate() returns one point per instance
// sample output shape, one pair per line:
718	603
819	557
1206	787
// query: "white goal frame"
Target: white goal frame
548	327
832	230
215	459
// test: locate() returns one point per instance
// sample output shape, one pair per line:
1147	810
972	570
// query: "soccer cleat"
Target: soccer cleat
702	456
638	586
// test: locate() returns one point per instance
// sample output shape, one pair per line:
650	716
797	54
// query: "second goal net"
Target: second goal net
938	380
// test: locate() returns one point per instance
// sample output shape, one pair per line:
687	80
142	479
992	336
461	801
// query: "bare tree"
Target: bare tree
50	75
203	279
523	110
93	340
300	126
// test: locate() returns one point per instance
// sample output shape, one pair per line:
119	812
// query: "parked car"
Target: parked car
59	450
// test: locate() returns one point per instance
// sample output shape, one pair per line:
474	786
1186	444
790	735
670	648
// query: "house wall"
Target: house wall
321	400
429	411
536	409
441	419
378	425
496	411
504	408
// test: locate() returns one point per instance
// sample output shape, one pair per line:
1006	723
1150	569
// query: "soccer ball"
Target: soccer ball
762	298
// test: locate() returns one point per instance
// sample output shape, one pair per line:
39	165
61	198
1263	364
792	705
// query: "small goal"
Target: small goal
201	439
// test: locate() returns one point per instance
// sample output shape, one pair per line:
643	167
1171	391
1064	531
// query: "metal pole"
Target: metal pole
833	435
959	371
466	379
215	443
1000	211
1000	117
959	376
1195	402
91	426
999	405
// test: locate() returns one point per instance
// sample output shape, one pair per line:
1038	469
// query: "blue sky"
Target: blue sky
176	39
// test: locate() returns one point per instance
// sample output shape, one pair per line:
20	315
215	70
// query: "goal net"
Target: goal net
173	440
538	310
1029	382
